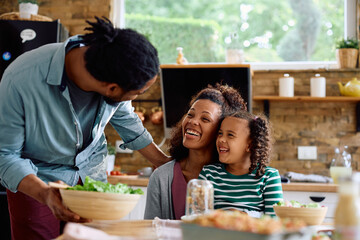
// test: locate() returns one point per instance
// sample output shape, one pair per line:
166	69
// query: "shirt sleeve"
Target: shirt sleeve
13	168
130	128
272	191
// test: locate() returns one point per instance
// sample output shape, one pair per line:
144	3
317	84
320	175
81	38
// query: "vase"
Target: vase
235	56
347	57
28	9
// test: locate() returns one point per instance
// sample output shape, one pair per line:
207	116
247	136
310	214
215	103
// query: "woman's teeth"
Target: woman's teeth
192	132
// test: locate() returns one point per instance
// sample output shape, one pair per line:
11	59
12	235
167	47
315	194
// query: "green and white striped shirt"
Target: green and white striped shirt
247	193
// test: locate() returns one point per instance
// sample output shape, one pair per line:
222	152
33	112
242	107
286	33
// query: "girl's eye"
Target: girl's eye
220	134
206	120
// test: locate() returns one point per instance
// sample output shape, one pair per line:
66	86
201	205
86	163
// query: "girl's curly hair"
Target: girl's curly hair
121	56
261	140
229	100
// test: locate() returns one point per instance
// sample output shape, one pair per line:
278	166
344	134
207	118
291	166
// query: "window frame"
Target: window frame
117	15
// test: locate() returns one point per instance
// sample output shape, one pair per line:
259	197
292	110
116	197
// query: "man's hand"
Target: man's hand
34	187
54	201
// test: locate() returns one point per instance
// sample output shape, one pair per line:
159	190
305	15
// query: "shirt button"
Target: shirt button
78	145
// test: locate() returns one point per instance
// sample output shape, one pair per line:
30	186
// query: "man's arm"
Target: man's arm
34	187
154	154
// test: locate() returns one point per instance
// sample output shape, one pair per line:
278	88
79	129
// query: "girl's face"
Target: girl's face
233	141
200	124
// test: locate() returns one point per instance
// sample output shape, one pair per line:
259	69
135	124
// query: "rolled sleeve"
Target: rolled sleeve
14	173
130	128
140	142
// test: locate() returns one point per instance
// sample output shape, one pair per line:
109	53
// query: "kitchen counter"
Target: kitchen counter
310	187
303	187
131	180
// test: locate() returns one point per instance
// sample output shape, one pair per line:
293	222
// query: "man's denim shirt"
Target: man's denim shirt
39	130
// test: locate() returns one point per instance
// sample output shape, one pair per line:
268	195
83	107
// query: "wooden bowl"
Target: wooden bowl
98	205
311	216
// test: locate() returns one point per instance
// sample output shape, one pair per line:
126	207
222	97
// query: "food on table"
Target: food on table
240	221
296	204
98	186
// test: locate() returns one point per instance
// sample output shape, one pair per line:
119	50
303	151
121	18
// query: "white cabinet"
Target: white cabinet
328	199
138	212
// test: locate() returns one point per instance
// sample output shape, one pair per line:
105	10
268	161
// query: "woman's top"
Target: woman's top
247	193
159	197
178	190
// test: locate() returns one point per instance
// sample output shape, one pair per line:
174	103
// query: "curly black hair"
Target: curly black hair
121	56
227	97
261	140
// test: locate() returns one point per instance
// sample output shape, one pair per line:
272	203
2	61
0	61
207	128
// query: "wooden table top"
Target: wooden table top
142	229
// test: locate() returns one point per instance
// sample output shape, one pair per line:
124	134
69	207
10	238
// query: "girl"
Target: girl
242	179
192	146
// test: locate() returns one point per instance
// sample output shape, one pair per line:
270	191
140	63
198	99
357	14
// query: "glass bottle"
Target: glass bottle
340	166
347	213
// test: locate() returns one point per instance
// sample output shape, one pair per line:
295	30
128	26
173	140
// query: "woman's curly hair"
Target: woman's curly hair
261	140
229	100
121	56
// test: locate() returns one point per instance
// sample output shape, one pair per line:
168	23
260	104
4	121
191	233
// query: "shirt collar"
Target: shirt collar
57	64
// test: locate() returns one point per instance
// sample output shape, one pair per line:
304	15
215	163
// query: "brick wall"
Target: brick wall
325	125
322	124
72	13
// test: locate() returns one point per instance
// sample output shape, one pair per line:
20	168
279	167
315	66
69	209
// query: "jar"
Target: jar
318	86
199	197
340	166
286	86
347	213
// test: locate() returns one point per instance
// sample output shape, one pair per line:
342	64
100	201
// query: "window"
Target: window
280	33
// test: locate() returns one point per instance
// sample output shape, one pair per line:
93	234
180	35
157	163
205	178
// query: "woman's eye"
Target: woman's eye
189	115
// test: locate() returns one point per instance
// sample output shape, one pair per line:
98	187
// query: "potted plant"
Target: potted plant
347	51
28	8
110	158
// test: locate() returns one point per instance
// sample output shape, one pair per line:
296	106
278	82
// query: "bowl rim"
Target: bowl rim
131	195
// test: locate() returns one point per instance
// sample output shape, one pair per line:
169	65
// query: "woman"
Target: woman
192	146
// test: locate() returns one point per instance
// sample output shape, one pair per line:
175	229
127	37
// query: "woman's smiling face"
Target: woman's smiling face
200	125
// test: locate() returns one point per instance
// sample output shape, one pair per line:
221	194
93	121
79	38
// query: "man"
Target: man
55	102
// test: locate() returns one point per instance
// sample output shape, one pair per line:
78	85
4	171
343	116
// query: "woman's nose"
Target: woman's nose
194	121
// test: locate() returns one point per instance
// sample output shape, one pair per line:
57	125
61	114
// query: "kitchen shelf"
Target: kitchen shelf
308	99
267	100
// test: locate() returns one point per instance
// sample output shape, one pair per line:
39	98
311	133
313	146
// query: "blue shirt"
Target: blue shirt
39	129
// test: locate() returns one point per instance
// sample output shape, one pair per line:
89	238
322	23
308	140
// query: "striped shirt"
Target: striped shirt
256	196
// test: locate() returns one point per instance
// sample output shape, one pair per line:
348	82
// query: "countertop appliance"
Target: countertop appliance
179	83
17	37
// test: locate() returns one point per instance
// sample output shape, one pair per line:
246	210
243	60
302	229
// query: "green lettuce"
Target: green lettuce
98	186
